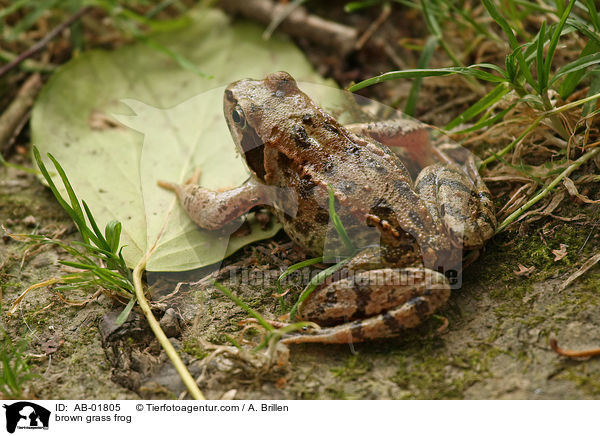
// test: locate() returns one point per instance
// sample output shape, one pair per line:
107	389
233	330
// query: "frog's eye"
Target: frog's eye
237	115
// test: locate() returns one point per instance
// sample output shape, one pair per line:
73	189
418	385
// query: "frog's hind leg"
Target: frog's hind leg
373	305
462	202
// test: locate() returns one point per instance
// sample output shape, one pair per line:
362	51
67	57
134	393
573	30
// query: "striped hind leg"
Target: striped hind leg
372	305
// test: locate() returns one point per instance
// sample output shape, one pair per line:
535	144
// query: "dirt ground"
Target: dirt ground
496	344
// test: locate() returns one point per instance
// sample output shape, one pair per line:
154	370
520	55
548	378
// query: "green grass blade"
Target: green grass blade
253	313
294	268
485	122
159	8
70	192
95	251
573	78
119	11
113	235
576	66
110	277
83	229
316	280
499	19
183	62
357	6
72	213
584	28
25	169
594	89
472	70
431	20
482	104
337	222
12	8
125	313
541	72
86	266
593	12
426	55
555	38
26	22
476	26
512	68
8	378
99	239
429	10
524	68
408	3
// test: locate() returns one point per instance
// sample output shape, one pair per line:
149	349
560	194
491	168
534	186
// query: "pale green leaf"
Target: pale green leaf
119	121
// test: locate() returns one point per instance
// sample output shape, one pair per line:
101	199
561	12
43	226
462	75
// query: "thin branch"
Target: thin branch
15	116
45	40
298	22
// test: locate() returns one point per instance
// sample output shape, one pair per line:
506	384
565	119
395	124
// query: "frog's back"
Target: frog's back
369	183
307	150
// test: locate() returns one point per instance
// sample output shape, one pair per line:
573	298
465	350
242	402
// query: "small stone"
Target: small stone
29	221
170	323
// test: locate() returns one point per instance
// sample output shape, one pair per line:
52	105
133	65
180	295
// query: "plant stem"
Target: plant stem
516	214
554	119
183	372
533	125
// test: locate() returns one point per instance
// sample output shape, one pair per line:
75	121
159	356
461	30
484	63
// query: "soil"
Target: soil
495	345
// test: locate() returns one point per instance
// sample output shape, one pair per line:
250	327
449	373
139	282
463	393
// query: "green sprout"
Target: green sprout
98	255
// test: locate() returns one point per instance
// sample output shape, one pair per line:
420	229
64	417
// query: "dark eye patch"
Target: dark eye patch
237	115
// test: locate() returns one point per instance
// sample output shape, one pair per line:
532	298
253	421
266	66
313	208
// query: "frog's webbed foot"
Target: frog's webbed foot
373	304
213	210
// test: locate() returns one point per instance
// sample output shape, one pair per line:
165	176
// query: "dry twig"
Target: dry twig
586	266
45	40
297	23
16	115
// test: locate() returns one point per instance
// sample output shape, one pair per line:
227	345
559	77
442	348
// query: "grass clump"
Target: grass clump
15	371
98	256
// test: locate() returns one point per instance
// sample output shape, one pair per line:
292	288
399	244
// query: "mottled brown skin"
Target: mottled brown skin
292	146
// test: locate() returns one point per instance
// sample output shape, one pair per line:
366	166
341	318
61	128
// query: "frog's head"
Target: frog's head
256	110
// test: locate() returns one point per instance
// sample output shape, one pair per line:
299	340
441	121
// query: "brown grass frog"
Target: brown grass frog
421	222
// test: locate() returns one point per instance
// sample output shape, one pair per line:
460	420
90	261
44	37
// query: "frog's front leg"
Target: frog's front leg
212	210
372	304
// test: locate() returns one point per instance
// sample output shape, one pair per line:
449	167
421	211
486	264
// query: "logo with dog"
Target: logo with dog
25	415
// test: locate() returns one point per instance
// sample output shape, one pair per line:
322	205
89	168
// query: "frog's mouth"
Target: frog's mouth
254	152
